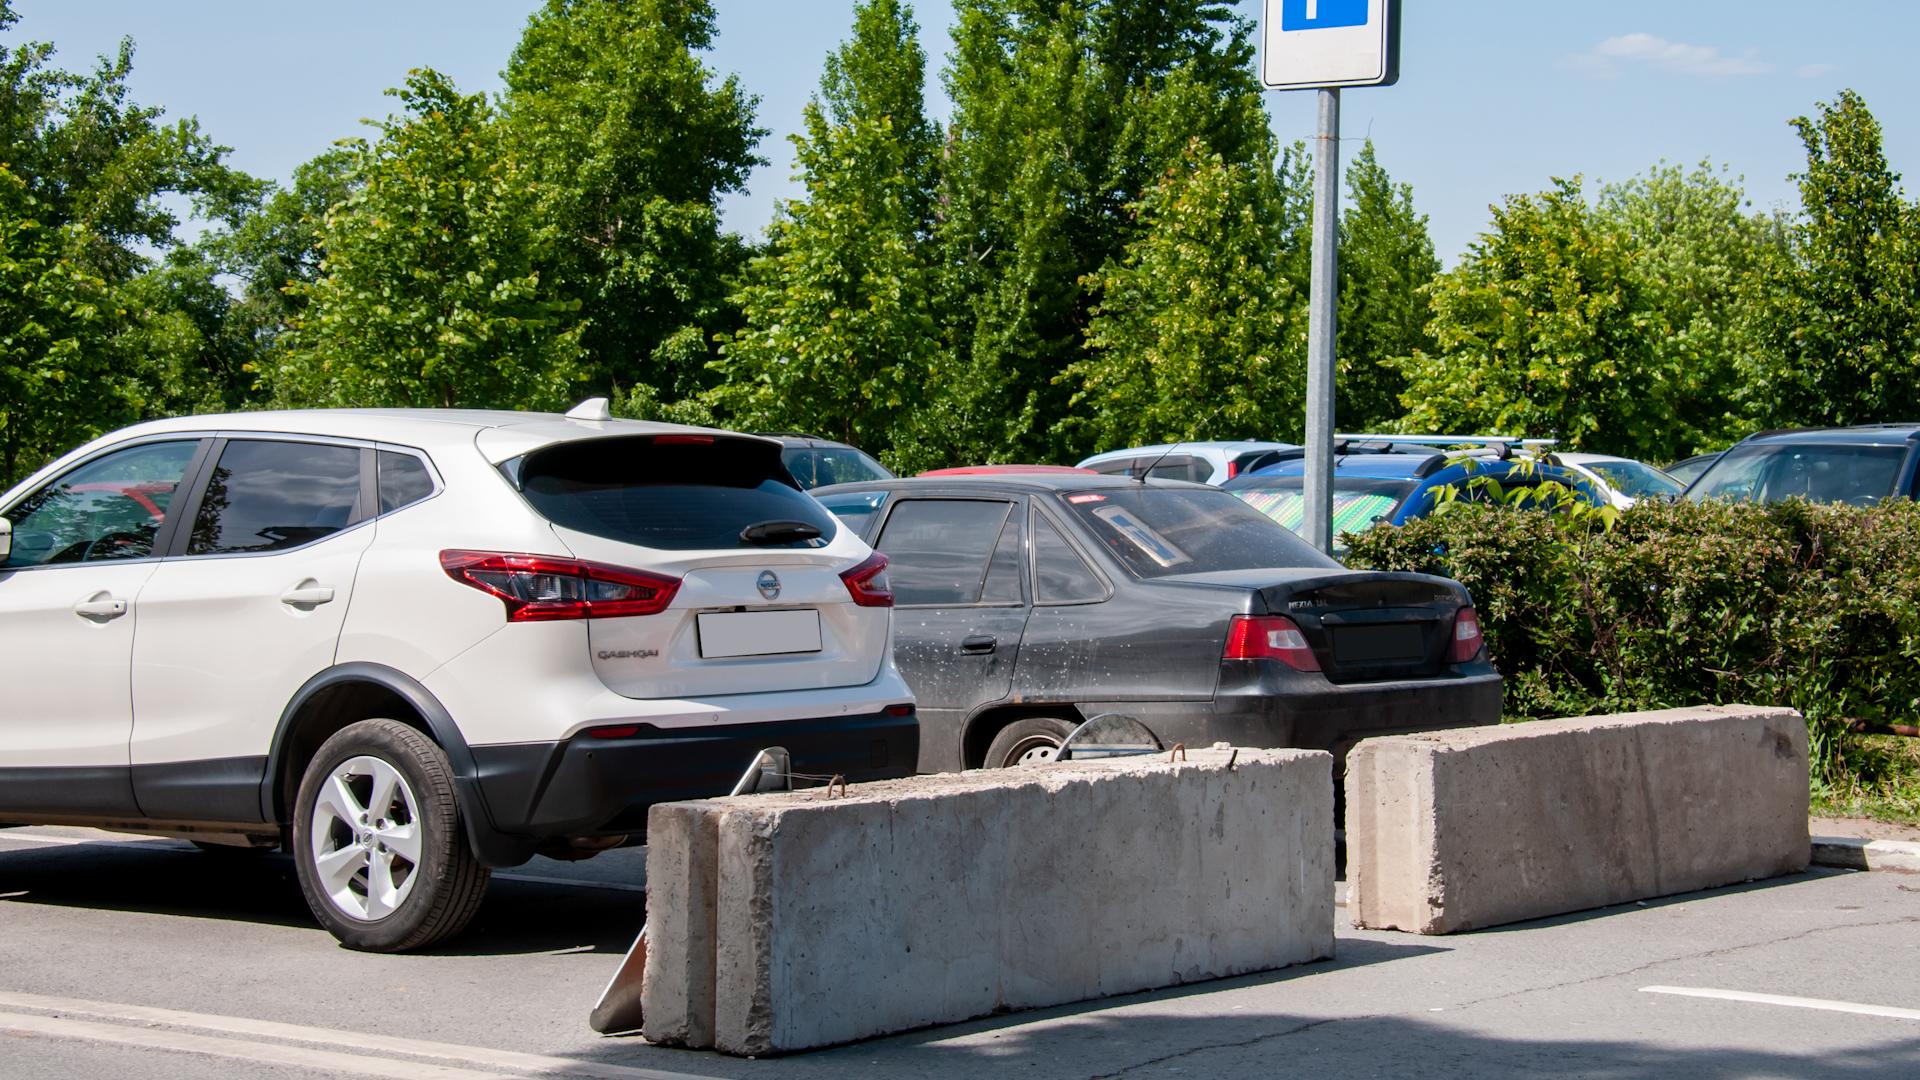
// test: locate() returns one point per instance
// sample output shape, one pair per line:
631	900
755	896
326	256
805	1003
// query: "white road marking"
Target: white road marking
1888	1011
479	1056
234	1050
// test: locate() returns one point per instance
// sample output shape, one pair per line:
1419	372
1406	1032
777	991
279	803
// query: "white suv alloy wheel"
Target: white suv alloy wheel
365	834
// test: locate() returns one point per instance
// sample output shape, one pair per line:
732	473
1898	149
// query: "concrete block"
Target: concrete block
937	899
683	843
1457	830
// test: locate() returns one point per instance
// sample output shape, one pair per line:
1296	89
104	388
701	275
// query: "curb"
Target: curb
1854	853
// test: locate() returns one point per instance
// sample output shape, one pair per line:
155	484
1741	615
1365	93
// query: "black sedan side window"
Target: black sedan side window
1059	575
940	549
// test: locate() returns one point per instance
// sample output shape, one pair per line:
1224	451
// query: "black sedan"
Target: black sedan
1027	604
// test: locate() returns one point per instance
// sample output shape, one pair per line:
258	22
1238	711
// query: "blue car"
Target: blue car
1394	487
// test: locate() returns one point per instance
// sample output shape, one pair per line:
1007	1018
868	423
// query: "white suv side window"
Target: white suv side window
270	496
110	508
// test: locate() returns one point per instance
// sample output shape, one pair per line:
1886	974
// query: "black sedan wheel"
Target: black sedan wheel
1032	741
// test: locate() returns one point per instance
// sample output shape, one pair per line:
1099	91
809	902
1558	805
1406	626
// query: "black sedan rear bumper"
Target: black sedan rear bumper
586	786
1304	709
1262	703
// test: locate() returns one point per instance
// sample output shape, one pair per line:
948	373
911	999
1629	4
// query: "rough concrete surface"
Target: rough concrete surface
1456	830
678	979
936	899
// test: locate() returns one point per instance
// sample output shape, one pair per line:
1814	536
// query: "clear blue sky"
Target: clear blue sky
1496	96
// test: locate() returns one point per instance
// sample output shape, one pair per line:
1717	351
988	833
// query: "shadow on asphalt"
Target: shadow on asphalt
1102	1047
1574	917
519	917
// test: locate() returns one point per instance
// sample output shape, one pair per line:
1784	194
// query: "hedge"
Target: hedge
1812	606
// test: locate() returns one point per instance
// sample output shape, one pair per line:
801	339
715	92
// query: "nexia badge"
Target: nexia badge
1322	14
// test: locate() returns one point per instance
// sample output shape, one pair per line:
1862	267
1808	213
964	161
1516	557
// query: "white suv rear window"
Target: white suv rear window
671	493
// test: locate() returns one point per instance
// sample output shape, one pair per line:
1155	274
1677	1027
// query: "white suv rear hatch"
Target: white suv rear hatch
761	603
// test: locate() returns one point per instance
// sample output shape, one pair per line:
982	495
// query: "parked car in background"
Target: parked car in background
814	461
1623	481
1855	465
1004	470
424	643
1373	488
1026	605
1200	462
1686	470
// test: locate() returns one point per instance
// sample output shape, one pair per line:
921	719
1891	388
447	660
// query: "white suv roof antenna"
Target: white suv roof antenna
594	408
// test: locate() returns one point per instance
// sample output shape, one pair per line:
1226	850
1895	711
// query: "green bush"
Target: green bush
1810	606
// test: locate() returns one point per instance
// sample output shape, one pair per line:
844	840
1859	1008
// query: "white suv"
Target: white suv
415	644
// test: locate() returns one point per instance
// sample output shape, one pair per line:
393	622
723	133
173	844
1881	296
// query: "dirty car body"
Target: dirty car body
1047	600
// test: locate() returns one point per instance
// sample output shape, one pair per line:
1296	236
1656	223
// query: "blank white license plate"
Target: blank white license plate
758	633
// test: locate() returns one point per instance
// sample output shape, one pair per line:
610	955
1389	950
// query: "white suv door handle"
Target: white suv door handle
101	606
307	594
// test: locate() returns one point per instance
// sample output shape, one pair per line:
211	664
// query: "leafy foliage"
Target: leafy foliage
1200	323
430	290
1843	325
631	142
841	336
1386	261
1065	114
1613	327
103	319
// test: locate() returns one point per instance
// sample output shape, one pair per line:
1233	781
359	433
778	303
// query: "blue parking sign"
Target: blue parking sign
1322	14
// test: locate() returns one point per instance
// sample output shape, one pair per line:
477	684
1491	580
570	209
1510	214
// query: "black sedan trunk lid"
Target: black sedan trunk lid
1363	625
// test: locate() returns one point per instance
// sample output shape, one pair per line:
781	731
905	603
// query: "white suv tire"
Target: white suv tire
378	843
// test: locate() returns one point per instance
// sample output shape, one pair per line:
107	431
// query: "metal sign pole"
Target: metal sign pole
1322	314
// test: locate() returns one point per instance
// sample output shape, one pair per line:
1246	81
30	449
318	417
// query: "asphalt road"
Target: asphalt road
133	959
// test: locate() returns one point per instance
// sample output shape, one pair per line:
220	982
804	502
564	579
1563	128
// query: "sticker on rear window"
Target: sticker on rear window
1151	544
1078	499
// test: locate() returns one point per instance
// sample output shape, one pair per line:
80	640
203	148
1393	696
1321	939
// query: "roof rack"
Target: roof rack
1449	440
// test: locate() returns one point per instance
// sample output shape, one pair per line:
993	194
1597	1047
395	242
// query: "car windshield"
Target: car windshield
673	493
1855	473
818	466
1158	532
1635	480
1359	502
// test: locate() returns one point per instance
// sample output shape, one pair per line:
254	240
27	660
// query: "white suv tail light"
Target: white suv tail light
544	588
867	583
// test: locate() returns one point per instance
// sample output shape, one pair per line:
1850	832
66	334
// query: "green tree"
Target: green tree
87	332
1386	262
1617	326
1704	263
1200	330
633	141
54	323
840	332
1843	332
274	248
1065	114
1544	329
430	290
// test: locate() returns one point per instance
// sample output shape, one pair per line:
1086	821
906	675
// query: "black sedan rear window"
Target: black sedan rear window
1160	532
673	493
